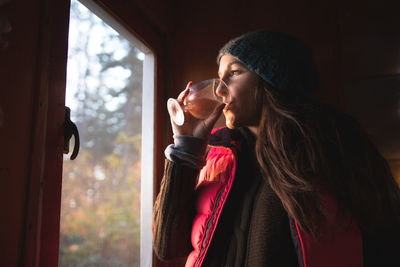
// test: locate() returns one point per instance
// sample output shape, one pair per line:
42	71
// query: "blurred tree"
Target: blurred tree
100	216
110	87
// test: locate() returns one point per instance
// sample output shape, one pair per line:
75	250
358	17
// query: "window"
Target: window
107	190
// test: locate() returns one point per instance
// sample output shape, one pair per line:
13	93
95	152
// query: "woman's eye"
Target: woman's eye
235	72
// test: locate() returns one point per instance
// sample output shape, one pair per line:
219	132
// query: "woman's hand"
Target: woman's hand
192	126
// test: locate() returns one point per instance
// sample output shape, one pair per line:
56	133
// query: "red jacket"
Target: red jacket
334	248
196	218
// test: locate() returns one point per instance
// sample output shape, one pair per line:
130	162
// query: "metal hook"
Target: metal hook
70	130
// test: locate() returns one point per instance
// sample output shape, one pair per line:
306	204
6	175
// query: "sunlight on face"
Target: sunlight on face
241	108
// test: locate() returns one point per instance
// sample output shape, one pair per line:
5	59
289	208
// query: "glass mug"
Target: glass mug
200	101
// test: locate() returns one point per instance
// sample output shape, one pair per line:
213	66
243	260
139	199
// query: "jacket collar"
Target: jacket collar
226	137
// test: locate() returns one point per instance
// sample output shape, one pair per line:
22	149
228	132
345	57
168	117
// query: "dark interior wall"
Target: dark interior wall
205	26
370	72
370	39
350	39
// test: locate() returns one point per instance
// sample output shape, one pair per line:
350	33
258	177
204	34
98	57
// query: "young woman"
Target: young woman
288	182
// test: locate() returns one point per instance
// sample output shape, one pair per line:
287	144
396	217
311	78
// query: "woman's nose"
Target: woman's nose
221	89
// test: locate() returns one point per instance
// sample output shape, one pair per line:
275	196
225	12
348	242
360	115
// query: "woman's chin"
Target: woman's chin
230	126
229	120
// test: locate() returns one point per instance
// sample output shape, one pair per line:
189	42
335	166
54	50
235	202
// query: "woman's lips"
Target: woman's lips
227	107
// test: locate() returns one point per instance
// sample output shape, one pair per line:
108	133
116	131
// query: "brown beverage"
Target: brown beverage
201	108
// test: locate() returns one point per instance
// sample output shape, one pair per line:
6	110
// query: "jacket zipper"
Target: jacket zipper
209	227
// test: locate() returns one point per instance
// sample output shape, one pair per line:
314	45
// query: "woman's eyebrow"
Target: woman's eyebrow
235	62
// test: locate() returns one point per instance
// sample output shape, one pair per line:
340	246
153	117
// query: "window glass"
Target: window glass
101	192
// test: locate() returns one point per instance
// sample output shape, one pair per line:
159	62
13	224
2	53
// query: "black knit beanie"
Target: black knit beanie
283	61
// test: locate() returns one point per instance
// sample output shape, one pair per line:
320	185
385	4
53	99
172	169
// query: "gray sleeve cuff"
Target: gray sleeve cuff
187	150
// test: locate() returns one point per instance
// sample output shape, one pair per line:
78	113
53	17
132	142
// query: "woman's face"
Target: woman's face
241	108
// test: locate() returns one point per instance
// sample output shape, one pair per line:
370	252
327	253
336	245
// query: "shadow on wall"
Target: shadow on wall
376	105
5	27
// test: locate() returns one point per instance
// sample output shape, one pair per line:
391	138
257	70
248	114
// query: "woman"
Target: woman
287	183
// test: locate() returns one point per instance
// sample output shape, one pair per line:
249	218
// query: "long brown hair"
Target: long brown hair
307	150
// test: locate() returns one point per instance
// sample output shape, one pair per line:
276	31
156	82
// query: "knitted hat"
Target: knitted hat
283	61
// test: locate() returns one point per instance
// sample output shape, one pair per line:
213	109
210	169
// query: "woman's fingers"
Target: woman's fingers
204	128
184	93
212	119
193	126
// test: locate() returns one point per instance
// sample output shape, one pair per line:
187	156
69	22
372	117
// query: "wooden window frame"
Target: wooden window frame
40	239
